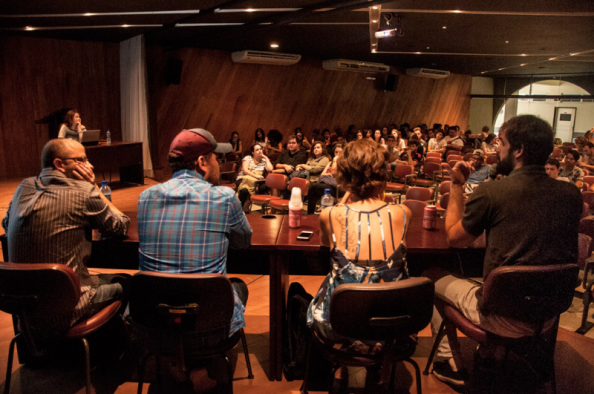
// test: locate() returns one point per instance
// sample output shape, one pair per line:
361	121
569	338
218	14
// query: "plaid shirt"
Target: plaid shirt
185	225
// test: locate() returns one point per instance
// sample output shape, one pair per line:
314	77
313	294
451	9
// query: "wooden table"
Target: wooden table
124	157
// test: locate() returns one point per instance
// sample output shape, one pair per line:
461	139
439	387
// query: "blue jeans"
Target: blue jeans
109	291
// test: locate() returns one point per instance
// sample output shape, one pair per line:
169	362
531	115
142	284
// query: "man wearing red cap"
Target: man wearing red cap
186	224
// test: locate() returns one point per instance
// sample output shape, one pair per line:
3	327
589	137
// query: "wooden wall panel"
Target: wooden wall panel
39	76
222	96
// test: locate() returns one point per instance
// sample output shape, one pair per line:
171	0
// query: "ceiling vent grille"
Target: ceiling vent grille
262	57
354	65
427	73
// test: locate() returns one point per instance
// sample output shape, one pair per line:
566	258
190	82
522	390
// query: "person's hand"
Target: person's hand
266	158
299	167
259	177
84	172
289	169
460	173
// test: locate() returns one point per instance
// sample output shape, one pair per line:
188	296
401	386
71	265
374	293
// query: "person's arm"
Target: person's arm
318	166
456	146
245	165
62	132
84	172
278	149
327	169
306	144
457	235
6	219
269	166
240	231
579	180
325	232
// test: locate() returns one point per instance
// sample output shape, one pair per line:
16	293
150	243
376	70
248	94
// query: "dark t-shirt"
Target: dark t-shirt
292	159
416	157
530	219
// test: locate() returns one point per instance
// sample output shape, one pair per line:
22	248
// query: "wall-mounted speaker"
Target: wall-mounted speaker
173	71
391	82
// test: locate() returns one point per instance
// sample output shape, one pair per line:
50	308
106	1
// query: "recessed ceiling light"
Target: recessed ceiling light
427	47
249	10
125	25
523	64
273	45
373	45
456	11
507	42
445	27
500	69
523	54
482	72
573	54
374	7
88	14
29	28
373	51
552	58
374	21
418	53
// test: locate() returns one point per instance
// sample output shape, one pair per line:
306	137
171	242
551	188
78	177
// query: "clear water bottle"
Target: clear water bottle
106	190
327	199
108	142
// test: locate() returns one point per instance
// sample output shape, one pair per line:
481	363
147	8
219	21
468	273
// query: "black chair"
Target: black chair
37	292
388	312
531	294
186	316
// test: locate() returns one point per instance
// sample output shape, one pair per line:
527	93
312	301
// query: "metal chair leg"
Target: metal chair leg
440	336
9	366
87	364
306	375
586	301
417	374
229	375
247	355
141	366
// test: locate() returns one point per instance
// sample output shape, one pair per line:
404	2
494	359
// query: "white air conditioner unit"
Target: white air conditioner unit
354	65
427	73
261	57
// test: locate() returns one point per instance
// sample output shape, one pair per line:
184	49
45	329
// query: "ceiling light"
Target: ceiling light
88	14
385	33
573	54
523	54
523	64
427	47
125	25
507	42
445	27
456	11
482	72
374	21
374	7
249	10
373	51
373	45
273	45
500	69
418	53
29	28
552	58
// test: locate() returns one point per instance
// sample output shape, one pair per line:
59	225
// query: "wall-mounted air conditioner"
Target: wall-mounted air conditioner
427	73
354	65
261	57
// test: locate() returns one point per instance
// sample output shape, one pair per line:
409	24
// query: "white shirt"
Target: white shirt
455	140
436	145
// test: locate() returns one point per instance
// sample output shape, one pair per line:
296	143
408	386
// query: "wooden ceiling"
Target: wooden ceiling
490	38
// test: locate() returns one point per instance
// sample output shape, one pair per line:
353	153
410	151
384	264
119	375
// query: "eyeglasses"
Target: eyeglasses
82	159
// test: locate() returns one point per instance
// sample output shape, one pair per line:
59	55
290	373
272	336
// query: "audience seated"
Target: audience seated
543	233
49	221
290	158
570	170
480	171
301	140
362	172
437	144
552	169
325	181
186	224
317	161
587	159
411	155
251	174
489	145
453	141
275	139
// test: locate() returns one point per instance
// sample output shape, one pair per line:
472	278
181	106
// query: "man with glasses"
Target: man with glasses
290	158
50	219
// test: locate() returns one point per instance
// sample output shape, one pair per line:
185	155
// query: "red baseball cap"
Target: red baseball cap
193	143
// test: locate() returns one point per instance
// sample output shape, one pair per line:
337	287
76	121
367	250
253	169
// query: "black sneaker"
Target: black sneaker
443	371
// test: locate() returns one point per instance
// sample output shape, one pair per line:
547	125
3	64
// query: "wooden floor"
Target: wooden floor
574	355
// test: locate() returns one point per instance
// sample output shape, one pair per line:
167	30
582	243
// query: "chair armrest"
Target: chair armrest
406	177
587	269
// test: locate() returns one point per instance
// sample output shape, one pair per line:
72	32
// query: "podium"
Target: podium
54	120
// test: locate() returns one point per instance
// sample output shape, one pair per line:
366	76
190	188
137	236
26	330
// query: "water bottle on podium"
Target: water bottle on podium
295	206
106	190
327	199
108	136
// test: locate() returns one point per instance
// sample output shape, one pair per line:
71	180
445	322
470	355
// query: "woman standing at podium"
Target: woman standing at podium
72	127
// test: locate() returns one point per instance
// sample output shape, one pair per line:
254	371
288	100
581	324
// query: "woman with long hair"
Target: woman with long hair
317	161
252	170
375	248
377	137
236	143
72	127
489	145
325	181
260	137
275	139
301	140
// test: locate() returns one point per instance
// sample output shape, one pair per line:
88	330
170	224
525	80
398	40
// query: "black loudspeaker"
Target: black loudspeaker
391	82
173	71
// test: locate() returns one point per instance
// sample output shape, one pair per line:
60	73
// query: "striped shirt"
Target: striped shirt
185	225
50	220
252	166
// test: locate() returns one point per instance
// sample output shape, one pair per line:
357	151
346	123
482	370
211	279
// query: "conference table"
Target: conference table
276	237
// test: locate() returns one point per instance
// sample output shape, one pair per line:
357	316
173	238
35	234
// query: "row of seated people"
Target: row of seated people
186	225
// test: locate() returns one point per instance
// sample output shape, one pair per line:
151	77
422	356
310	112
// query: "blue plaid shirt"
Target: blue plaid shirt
185	225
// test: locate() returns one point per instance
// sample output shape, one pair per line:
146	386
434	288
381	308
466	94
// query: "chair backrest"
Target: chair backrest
402	171
444	200
455	157
389	199
276	181
492	159
585	210
209	297
273	157
417	208
452	163
588	197
419	193
41	289
433	159
585	187
587	227
434	155
382	311
444	187
589	180
301	183
569	144
529	293
429	168
228	166
556	153
584	249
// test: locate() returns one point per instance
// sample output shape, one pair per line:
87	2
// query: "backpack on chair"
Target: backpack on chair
297	335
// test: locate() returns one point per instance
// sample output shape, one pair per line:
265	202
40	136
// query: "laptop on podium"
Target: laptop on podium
90	137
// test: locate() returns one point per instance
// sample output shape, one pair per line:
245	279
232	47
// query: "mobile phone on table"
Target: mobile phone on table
305	236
